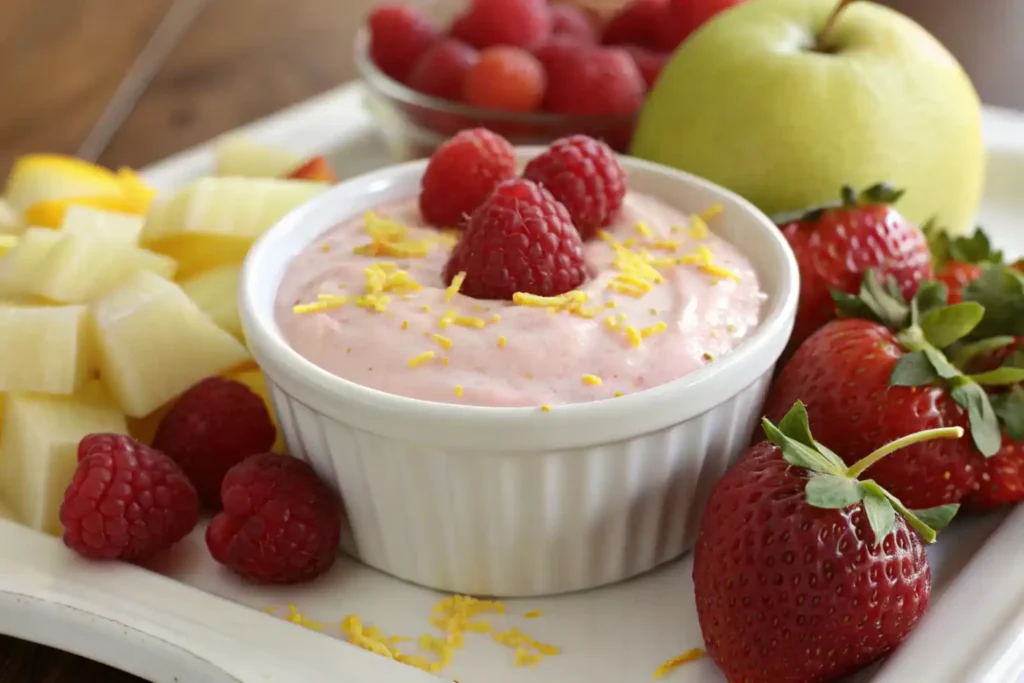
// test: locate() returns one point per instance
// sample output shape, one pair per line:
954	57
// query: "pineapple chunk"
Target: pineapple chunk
19	266
123	228
238	207
45	349
44	177
196	253
80	269
253	378
39	450
154	343
10	221
216	294
239	156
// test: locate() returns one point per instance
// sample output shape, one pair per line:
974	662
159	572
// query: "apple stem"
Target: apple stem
822	44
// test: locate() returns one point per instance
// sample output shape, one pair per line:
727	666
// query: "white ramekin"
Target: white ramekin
516	501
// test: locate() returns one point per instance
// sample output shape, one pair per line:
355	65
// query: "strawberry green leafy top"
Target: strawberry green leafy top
976	248
833	485
942	339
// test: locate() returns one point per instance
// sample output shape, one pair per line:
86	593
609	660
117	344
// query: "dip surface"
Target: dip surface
665	297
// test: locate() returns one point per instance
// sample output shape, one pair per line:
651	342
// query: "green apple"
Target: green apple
785	101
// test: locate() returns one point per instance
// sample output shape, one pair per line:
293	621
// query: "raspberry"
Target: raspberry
638	23
685	17
398	36
649	62
441	70
215	425
520	240
126	501
518	23
280	524
506	78
585	176
462	173
595	81
573	23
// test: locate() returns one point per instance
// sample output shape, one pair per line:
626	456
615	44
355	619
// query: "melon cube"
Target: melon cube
154	343
122	228
197	253
45	349
7	242
19	266
80	269
239	207
39	450
240	156
10	221
216	294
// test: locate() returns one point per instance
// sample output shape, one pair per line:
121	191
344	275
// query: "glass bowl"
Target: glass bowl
414	124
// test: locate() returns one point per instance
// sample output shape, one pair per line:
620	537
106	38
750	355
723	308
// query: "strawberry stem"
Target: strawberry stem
867	461
823	44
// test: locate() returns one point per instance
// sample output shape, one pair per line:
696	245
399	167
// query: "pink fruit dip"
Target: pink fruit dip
666	297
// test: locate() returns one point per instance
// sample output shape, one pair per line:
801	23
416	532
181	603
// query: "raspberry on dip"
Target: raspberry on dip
661	296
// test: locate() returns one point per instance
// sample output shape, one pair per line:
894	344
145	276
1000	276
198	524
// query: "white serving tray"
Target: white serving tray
185	620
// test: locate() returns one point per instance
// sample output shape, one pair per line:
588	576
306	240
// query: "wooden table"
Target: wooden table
127	82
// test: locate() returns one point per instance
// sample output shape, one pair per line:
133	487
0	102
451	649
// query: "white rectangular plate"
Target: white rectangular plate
173	623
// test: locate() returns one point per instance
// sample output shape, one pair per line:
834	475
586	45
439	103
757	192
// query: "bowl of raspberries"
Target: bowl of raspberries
531	70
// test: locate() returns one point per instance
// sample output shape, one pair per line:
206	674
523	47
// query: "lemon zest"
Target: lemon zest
698	228
711	211
469	321
324	302
635	339
453	288
390	238
678	661
419	360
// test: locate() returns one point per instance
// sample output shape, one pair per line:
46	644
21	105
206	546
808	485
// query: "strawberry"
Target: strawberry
958	260
835	244
317	170
1001	481
997	360
804	573
896	367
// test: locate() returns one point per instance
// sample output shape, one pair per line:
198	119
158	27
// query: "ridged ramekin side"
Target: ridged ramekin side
518	524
